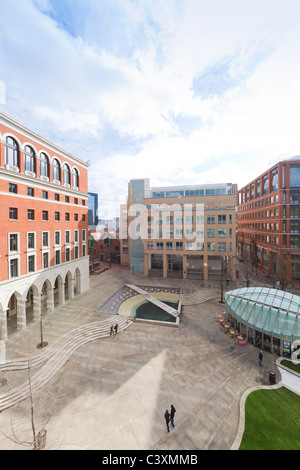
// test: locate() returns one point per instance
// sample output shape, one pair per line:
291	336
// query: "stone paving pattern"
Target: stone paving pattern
113	392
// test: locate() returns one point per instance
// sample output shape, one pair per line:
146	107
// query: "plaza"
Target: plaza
112	392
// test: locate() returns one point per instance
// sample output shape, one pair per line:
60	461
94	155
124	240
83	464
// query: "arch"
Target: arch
46	298
58	293
68	286
56	166
29	159
32	304
15	314
12	151
77	282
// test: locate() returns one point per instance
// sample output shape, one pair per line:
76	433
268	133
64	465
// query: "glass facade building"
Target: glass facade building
268	318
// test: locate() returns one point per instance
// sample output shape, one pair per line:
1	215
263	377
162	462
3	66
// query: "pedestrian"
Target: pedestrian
116	328
227	280
172	414
260	357
111	330
167	418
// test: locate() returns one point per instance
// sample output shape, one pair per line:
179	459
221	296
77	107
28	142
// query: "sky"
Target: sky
178	91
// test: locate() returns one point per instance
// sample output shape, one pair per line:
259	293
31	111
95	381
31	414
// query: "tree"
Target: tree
43	315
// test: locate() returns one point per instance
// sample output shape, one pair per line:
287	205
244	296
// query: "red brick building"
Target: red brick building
268	222
44	225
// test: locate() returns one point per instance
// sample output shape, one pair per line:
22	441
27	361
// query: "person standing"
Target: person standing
260	357
167	418
111	330
172	414
116	328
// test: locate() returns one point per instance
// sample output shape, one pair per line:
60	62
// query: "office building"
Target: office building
268	222
44	226
185	231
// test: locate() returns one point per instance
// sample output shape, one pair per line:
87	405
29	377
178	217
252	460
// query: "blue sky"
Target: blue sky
180	91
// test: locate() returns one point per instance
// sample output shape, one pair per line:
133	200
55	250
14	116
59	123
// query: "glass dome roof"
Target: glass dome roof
271	311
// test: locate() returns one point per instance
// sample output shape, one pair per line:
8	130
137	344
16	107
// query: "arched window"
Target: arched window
67	174
12	153
44	165
29	159
75	178
56	170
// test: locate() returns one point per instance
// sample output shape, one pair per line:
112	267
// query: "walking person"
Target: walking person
260	357
111	330
116	328
172	414
167	418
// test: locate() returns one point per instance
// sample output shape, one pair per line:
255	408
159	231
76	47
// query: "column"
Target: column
146	265
205	267
184	267
165	265
3	325
21	314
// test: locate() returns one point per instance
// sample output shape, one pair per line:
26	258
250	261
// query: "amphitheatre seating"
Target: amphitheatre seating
53	358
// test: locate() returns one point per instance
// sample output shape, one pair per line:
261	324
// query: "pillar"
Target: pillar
21	314
165	266
205	267
3	326
184	267
146	265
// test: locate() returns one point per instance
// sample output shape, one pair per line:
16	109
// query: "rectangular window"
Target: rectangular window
13	213
76	236
68	252
57	216
45	194
75	200
56	197
159	246
31	241
14	268
68	238
211	246
169	245
30	192
57	238
67	217
83	250
30	214
83	202
210	219
221	219
222	232
45	215
179	246
76	251
31	264
83	235
67	199
45	260
83	217
13	242
222	246
76	217
210	233
57	257
12	188
45	239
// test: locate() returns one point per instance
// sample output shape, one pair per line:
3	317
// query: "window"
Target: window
44	165
211	246
83	235
179	246
295	176
211	233
210	219
57	216
14	268
222	246
30	241
221	219
68	238
76	251
56	170
45	215
83	250
68	254
75	178
222	232
75	200
67	199
67	216
56	197
12	153
57	257
57	238
76	217
30	214
13	213
13	242
45	260
76	236
12	188
169	245
83	202
30	192
45	239
83	217
31	264
45	194
67	174
150	245
159	246
29	159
